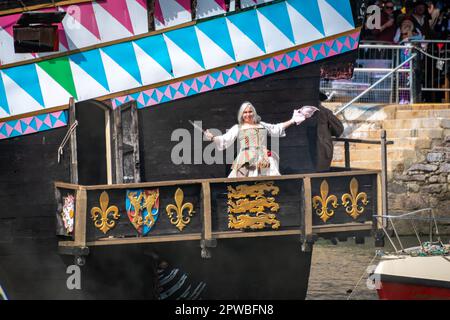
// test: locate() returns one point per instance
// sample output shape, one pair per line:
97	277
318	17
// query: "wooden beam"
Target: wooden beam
154	239
135	140
242	234
331	228
347	227
65	185
379	223
109	173
307	215
207	222
80	218
73	143
231	180
118	146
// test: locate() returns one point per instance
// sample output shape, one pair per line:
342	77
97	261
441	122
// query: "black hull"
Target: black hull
253	268
248	268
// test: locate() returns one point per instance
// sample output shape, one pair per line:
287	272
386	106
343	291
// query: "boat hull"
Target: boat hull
413	278
404	291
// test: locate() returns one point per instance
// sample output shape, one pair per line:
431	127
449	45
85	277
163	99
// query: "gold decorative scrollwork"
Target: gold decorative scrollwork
253	206
354	210
323	201
150	198
257	222
100	216
256	190
136	203
179	220
251	199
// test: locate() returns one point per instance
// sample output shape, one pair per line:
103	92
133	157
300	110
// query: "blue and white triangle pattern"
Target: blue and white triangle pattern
153	59
4	108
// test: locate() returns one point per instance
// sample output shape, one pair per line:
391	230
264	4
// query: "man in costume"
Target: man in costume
328	125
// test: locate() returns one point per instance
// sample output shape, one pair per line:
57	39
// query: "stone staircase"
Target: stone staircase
414	129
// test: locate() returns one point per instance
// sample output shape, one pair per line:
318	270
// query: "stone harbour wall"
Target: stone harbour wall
423	185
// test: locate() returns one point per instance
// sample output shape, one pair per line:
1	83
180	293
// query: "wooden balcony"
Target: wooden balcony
207	210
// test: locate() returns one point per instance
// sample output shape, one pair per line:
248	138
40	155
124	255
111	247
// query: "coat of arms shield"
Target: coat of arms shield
142	209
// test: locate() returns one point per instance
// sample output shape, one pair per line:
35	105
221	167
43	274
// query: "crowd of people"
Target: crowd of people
404	20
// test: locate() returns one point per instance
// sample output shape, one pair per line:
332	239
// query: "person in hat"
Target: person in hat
328	125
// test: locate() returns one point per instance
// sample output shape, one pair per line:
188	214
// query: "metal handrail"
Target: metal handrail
430	41
375	84
384	46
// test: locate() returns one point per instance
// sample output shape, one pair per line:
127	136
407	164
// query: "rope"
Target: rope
362	276
430	55
66	138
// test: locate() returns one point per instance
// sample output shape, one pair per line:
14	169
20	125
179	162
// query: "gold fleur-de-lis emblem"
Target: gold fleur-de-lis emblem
100	215
179	220
354	210
323	201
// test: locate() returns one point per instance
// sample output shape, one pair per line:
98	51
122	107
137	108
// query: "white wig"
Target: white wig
256	118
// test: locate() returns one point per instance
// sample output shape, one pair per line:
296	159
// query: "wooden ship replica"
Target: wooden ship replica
87	178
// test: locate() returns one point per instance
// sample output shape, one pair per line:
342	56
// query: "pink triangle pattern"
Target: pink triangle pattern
9	129
176	85
220	79
202	79
85	15
119	10
29	130
205	88
322	50
27	121
140	99
158	12
212	81
7	22
178	95
18	126
222	4
38	123
186	87
186	4
347	42
245	72
339	45
58	123
24	126
167	93
143	3
194	85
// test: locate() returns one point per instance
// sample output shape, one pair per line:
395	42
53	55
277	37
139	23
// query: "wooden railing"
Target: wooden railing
206	210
